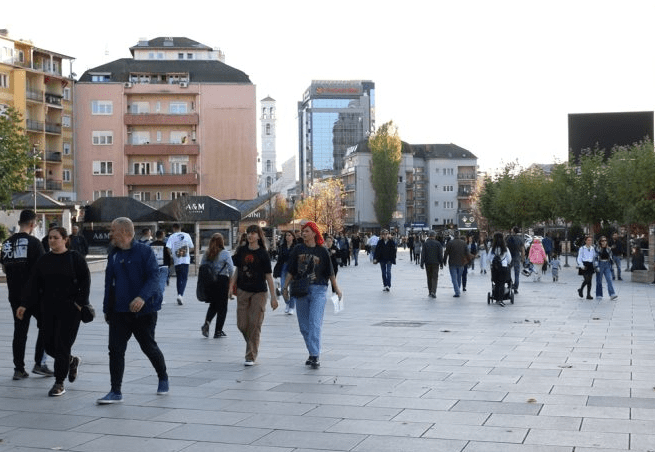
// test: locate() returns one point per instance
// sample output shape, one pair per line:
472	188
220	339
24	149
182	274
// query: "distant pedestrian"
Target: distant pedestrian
163	256
385	255
281	267
603	266
537	256
516	247
217	295
146	236
180	244
618	250
432	260
372	243
417	247
77	242
355	242
131	302
554	267
585	264
457	256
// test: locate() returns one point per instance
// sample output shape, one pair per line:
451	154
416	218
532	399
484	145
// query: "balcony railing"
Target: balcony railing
464	193
52	127
52	185
53	156
161	119
34	95
161	179
35	126
466	176
349	203
162	149
53	99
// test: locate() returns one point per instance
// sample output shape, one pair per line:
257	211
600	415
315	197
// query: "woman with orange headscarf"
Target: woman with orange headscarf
309	262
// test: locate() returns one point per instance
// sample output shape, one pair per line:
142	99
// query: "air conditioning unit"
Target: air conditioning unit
127	84
184	84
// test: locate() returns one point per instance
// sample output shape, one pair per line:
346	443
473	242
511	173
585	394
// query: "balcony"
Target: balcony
34	126
464	193
466	176
349	202
34	95
162	149
158	119
52	127
52	156
162	179
52	185
53	99
349	187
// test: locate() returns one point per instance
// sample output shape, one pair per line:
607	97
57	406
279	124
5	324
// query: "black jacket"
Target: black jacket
385	252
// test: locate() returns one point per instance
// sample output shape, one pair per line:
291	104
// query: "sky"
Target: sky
497	78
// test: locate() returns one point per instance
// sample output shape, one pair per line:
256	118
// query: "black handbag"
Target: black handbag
87	313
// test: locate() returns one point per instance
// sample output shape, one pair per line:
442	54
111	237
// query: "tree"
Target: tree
386	153
323	206
280	213
16	162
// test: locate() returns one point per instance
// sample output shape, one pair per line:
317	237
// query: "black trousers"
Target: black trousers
217	307
122	325
21	327
60	329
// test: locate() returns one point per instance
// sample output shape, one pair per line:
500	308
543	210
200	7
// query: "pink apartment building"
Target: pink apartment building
174	120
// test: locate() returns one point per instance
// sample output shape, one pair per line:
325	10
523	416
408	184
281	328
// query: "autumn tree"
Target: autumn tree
16	162
386	153
280	212
323	206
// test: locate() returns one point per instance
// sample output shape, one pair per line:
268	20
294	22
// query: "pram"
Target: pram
501	284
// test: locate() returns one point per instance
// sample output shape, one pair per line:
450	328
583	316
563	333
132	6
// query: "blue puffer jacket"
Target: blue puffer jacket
134	273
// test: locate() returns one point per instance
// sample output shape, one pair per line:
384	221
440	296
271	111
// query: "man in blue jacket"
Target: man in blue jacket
132	299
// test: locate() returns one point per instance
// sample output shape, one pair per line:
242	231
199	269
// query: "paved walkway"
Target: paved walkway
400	372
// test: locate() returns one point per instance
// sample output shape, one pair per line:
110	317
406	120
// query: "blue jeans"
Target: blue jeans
310	310
516	264
605	269
283	278
355	254
385	266
617	264
456	277
181	276
122	325
163	277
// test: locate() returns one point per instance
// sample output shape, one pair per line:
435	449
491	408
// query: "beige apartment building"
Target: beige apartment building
38	83
174	120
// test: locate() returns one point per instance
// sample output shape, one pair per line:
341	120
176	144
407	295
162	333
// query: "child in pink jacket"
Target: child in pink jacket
537	256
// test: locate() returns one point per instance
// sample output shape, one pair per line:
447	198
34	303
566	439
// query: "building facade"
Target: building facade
332	117
435	182
38	83
268	162
172	121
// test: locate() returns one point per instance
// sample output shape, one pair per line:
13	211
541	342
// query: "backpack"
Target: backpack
496	264
206	279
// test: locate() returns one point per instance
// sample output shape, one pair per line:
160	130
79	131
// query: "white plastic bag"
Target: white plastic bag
338	303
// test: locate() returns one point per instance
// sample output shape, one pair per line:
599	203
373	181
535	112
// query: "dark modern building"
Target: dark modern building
333	116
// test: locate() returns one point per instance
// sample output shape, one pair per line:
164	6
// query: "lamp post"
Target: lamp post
35	152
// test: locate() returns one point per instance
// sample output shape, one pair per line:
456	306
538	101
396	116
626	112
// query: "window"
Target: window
400	179
151	55
178	168
4	80
67	94
103	167
158	196
159	136
178	137
66	175
103	137
141	167
140	138
268	129
269	166
141	195
447	188
436	204
67	148
102	107
21	56
160	55
102	194
100	78
139	108
66	121
178	194
180	56
189	56
177	108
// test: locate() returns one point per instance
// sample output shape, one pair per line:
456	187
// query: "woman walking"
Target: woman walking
537	256
604	261
585	263
501	275
222	268
311	262
281	267
252	275
60	285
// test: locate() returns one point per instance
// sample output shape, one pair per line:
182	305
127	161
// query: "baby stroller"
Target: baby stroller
501	283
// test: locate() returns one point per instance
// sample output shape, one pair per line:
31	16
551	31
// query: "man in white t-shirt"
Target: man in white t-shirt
373	242
180	244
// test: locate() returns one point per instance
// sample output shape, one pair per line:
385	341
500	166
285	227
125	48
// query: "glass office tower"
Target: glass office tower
333	116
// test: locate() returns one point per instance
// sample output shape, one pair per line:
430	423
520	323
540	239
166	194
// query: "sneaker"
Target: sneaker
614	297
292	311
57	390
205	329
315	363
249	363
309	361
286	309
111	397
516	291
72	368
219	334
42	370
589	297
620	279
464	289
456	295
162	388
20	374
179	300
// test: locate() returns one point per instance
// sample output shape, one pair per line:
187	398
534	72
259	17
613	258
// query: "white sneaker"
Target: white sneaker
292	311
249	363
179	300
286	309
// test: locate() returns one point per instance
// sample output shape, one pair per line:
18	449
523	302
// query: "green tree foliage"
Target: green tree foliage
15	159
386	153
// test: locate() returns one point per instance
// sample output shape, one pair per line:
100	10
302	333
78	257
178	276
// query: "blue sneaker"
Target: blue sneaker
162	388
111	397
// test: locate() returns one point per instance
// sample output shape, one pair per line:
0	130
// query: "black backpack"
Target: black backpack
206	279
496	263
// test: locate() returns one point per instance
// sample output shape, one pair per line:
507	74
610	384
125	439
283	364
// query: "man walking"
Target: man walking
617	252
516	248
19	254
77	242
432	260
132	299
355	242
180	244
163	255
385	254
372	243
457	256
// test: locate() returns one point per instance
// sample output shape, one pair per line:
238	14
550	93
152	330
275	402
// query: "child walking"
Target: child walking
555	265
